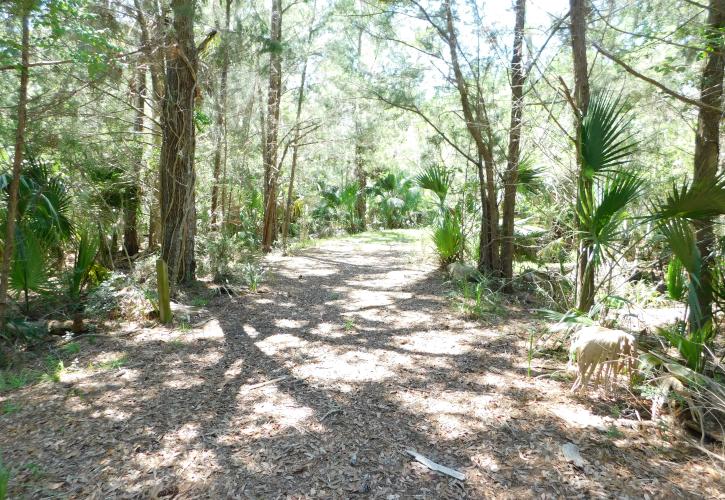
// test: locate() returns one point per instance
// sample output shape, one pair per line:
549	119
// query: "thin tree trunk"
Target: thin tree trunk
271	169
133	196
178	211
707	149
476	126
484	246
219	156
296	145
360	173
585	268
17	166
156	65
518	78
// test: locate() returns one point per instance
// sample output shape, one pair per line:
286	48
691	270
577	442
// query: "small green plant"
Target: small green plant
184	327
54	369
616	411
614	433
349	324
16	380
175	344
4	480
200	302
448	239
71	348
253	275
34	469
112	364
478	300
10	407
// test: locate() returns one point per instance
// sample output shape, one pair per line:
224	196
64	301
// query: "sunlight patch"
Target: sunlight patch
290	323
434	342
250	331
211	330
183	381
574	416
234	370
453	413
354	366
280	342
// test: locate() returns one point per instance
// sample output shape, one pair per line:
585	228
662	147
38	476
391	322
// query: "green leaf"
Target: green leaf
28	270
437	179
675	279
693	201
605	140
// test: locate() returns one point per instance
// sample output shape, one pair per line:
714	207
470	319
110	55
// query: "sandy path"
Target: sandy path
363	359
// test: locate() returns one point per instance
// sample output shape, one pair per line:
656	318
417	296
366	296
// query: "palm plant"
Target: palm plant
396	198
438	179
42	225
677	217
606	189
448	238
338	204
84	259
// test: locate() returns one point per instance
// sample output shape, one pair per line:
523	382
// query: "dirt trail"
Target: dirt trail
316	387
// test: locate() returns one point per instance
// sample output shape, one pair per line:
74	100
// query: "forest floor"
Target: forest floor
316	387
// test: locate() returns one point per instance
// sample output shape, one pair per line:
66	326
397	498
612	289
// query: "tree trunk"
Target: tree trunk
133	195
17	166
296	145
518	78
178	212
219	155
707	149
484	246
585	269
271	169
360	173
156	64
476	126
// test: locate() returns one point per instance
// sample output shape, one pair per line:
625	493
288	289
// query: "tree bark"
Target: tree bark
518	78
585	270
178	211
274	95
156	64
477	125
17	165
296	145
707	148
219	155
360	172
133	194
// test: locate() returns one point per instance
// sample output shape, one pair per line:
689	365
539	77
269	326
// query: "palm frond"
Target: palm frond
601	216
28	271
529	178
693	201
675	280
448	239
85	257
605	139
436	178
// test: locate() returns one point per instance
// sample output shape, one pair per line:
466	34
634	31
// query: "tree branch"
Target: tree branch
629	69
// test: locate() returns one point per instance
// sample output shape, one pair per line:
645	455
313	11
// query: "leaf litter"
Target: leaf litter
318	388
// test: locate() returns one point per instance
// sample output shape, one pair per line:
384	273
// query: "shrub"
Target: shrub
448	239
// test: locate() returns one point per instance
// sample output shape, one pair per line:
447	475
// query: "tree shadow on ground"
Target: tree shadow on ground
317	389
